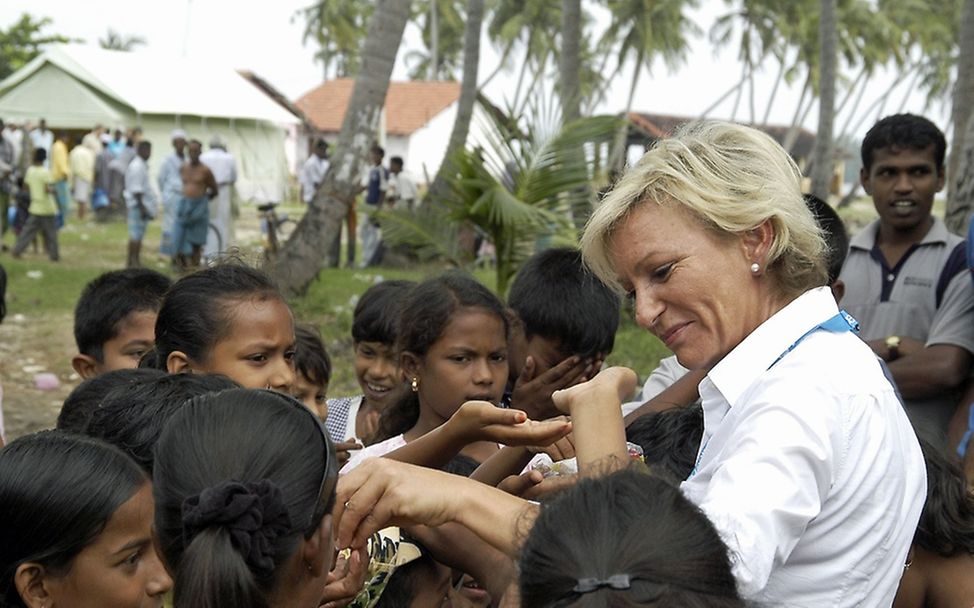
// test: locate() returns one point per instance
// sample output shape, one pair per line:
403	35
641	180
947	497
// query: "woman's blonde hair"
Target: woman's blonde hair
732	178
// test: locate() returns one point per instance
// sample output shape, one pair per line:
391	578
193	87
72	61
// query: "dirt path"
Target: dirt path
32	344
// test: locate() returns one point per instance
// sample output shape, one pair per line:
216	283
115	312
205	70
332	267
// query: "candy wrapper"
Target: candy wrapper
569	466
388	550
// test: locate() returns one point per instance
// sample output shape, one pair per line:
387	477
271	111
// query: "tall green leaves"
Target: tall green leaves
338	28
515	188
24	40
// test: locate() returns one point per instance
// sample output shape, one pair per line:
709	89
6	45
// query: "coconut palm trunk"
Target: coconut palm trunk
960	169
570	67
298	263
468	95
822	165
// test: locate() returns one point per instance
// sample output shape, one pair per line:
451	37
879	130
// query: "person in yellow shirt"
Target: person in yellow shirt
43	208
82	162
61	173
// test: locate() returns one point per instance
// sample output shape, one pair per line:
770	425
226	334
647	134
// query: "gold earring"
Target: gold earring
415	384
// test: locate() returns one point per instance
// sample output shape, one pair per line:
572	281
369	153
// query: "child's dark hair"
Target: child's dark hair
833	229
57	493
403	585
194	315
132	417
40	155
427	311
376	317
558	299
630	525
89	395
311	360
461	465
223	448
670	440
905	131
946	524
111	297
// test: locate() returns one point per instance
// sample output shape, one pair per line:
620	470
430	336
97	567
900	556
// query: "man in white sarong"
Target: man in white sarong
224	169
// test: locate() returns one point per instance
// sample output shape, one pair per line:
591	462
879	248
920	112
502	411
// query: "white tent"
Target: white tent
76	87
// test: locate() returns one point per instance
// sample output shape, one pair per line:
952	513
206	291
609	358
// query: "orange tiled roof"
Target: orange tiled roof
409	105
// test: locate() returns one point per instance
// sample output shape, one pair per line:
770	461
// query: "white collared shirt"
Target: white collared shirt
809	468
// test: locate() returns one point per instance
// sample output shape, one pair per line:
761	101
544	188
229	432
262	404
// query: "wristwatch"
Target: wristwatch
893	346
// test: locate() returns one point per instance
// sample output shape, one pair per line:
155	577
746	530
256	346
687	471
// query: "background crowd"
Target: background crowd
805	445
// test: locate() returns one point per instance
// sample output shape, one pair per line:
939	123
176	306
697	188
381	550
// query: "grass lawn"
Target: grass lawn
37	335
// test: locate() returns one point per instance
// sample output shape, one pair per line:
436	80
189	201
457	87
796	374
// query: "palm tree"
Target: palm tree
442	28
570	64
297	264
760	37
515	190
468	95
533	26
338	28
823	167
645	30
960	201
113	41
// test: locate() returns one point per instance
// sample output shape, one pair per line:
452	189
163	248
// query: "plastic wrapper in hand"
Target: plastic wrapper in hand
569	466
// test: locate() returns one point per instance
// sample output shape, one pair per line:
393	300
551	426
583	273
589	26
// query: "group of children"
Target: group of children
184	464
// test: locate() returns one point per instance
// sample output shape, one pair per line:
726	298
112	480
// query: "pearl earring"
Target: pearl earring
755	267
415	385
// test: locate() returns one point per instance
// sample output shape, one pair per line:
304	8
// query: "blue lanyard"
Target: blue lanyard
840	323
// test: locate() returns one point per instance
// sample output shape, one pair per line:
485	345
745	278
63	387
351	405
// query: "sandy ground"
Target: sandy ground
30	345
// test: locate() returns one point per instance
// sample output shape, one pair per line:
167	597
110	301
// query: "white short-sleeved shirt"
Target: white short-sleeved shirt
666	373
808	468
137	182
927	296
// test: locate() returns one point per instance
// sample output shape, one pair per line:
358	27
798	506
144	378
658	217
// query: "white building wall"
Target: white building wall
427	145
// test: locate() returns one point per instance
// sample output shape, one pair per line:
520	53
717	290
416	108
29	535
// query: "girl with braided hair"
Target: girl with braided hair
244	483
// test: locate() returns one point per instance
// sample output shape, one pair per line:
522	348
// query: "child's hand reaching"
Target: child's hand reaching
345	580
532	393
532	485
343	450
483	421
610	387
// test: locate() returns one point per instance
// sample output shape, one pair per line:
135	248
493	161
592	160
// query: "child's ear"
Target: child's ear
32	585
409	363
86	366
838	290
318	550
178	363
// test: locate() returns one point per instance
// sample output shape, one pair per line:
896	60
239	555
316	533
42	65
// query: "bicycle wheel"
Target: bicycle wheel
217	237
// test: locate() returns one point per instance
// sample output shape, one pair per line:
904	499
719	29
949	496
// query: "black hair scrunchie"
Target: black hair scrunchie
253	513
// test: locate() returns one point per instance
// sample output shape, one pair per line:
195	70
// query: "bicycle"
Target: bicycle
275	229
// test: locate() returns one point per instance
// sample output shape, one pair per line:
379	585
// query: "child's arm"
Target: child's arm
382	492
507	461
532	394
681	393
478	421
595	409
511	460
